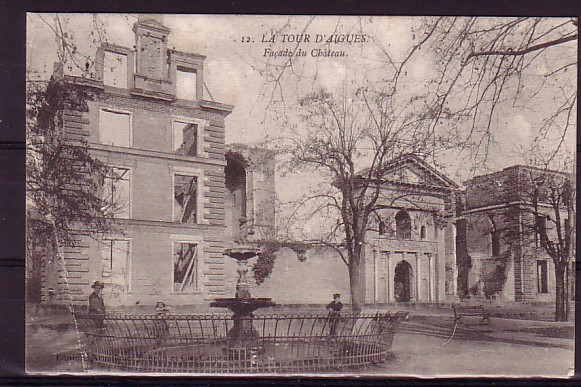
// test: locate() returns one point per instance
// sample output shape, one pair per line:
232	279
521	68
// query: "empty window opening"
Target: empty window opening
403	225
115	128
542	279
117	193
423	233
185	199
541	231
115	69
185	138
382	229
186	83
185	263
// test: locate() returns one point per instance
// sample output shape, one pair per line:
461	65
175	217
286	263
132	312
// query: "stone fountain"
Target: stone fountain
242	305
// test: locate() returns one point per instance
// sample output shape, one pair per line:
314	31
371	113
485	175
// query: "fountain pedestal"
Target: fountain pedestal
242	305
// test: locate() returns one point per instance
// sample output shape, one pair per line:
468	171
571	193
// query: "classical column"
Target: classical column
418	279
388	277
454	263
375	282
430	279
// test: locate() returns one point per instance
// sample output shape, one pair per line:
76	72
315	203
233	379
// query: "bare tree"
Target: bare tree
66	197
488	65
349	139
531	63
479	69
64	181
545	217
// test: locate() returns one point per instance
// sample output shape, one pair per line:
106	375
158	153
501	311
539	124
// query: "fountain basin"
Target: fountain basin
242	306
242	252
202	344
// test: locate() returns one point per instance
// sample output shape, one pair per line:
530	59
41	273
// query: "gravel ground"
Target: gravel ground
421	348
426	356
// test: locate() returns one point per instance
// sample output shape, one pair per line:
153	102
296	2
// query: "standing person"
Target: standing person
334	307
96	304
161	327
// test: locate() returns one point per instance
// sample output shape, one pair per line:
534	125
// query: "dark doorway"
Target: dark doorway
402	282
236	195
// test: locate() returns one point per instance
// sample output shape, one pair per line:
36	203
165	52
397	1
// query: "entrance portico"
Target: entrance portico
405	277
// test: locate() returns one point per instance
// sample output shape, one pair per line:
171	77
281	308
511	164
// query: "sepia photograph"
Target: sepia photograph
386	196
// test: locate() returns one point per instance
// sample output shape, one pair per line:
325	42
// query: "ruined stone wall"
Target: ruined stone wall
493	189
260	165
513	273
312	281
489	275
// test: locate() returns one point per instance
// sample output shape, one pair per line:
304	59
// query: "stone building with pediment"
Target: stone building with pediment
410	252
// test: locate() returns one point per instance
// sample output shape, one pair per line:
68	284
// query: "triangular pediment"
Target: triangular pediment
409	175
412	170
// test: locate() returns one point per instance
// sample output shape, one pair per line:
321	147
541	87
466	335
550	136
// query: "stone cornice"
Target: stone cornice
156	154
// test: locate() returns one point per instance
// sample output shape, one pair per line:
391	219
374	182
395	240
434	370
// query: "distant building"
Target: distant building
430	241
500	254
410	252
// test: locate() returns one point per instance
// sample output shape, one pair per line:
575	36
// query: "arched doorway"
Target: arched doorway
402	281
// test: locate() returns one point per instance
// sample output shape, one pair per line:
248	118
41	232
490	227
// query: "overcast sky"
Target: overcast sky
236	52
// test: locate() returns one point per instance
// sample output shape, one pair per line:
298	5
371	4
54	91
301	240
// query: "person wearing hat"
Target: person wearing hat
96	304
334	308
161	328
161	309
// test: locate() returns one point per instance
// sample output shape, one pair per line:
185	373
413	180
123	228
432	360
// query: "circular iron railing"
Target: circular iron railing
204	343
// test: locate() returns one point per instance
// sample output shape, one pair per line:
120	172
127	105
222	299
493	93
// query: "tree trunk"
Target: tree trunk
356	283
560	310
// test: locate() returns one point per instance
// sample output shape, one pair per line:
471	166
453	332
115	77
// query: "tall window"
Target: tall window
185	199
541	231
542	281
403	225
117	193
115	264
185	266
382	228
185	83
185	138
115	69
423	232
115	128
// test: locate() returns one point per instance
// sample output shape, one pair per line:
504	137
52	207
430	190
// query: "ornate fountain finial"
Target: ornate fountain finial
244	229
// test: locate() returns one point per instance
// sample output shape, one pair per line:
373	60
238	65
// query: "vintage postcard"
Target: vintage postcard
300	195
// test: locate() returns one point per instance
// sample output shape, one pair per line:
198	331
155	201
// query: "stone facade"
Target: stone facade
167	148
418	255
499	253
410	251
